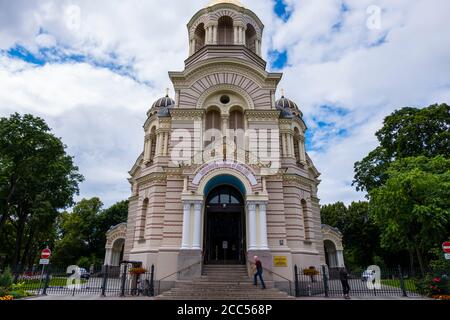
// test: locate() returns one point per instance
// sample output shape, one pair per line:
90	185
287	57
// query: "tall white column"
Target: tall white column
210	35
236	36
197	226
302	149
291	144
284	143
158	144
263	226
340	259
148	145
166	143
214	34
252	226
108	255
185	243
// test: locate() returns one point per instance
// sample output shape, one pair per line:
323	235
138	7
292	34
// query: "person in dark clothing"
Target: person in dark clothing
343	275
259	273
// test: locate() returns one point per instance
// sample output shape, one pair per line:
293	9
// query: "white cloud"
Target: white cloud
343	68
332	60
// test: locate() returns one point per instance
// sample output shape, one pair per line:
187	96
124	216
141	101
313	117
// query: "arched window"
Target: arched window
306	221
199	37
236	120
143	220
297	144
212	125
153	144
224	195
250	38
225	31
236	133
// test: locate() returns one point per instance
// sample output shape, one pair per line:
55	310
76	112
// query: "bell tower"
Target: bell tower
225	23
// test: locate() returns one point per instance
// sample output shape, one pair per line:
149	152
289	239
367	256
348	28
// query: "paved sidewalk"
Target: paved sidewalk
96	297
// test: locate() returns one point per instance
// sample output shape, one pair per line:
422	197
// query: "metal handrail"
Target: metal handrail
279	275
179	271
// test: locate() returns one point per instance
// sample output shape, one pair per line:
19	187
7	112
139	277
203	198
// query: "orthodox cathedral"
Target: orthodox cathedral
224	174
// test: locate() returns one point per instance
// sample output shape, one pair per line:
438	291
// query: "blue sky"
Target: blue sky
93	74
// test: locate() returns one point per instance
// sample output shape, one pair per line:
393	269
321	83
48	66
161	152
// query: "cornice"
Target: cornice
155	177
187	114
262	115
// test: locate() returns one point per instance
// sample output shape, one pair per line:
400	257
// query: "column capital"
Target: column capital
198	205
251	205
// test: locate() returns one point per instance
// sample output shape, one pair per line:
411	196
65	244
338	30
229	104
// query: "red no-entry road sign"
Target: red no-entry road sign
46	253
446	247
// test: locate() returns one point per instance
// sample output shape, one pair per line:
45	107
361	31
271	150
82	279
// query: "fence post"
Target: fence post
124	278
325	281
47	281
105	280
297	287
152	281
402	281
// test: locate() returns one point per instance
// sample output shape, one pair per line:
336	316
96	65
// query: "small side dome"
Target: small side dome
288	107
164	102
162	106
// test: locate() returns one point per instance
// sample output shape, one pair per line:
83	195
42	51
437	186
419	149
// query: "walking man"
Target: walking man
343	275
259	273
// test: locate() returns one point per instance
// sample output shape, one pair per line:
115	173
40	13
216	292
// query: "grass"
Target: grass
409	284
54	282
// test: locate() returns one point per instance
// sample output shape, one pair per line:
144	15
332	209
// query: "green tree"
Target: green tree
37	179
361	237
82	232
408	132
412	208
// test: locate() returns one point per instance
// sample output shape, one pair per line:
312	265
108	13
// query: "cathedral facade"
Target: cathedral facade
224	174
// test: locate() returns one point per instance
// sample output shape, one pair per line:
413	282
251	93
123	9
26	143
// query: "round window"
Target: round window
225	99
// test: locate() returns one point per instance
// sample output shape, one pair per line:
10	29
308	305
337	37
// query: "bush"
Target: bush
6	279
3	292
84	262
434	284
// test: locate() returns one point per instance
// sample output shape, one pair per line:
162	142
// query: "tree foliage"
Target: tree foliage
361	237
37	180
82	232
408	132
412	207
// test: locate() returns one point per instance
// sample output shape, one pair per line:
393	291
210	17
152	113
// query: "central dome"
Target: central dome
235	2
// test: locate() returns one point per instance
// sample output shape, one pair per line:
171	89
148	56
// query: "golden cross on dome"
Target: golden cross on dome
282	93
167	92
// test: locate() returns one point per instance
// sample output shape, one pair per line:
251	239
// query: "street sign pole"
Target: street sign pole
45	260
42	276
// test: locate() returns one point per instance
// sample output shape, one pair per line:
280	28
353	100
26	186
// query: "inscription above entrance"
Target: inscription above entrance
243	169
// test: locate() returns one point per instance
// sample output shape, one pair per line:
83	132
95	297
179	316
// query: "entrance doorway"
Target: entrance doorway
224	240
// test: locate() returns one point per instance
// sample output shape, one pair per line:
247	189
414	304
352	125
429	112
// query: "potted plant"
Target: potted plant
138	271
312	272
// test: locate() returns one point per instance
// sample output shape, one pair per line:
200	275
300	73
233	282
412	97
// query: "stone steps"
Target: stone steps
223	283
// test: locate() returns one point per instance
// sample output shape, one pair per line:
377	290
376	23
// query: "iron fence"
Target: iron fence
120	282
104	280
390	282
